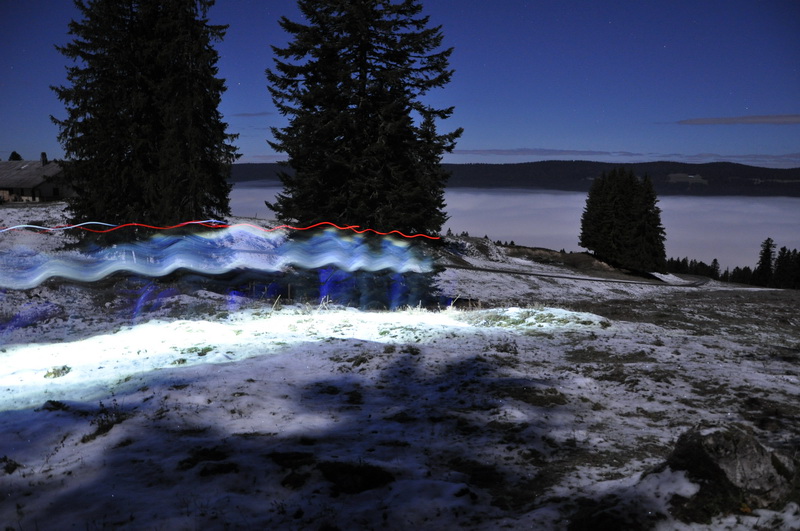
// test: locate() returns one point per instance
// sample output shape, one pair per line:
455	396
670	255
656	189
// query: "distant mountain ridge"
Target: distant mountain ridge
669	178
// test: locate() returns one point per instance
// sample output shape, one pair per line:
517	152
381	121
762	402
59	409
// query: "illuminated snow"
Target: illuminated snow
99	362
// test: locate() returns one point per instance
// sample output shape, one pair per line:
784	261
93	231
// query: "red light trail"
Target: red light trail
212	224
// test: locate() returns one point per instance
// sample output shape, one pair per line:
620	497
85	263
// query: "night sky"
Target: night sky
619	81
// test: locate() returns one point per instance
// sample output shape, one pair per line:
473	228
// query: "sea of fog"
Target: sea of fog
729	229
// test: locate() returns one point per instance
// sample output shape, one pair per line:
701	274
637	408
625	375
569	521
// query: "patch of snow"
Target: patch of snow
669	278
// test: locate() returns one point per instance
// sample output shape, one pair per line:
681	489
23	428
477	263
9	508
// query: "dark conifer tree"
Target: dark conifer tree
143	137
786	272
621	222
363	145
714	272
649	233
781	277
762	274
742	275
627	221
14	156
794	274
595	229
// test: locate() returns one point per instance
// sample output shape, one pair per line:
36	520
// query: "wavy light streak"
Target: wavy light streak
222	250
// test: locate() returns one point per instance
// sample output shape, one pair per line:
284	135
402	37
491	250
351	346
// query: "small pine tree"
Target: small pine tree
762	274
794	273
781	277
621	222
14	156
714	273
742	275
786	273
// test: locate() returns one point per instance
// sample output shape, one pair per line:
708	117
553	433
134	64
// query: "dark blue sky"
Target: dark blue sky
615	81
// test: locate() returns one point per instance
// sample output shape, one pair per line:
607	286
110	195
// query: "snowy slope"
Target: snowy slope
214	411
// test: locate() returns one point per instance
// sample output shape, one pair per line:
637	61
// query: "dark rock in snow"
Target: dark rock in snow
736	473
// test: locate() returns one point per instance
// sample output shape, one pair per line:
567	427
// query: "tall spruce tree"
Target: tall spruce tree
362	144
621	222
762	274
143	135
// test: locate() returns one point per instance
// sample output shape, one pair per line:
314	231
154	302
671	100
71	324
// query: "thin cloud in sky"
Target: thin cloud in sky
766	119
252	114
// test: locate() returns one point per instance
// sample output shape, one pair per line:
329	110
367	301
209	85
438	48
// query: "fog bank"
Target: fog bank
729	229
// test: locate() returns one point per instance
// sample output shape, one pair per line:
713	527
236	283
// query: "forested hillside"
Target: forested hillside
716	178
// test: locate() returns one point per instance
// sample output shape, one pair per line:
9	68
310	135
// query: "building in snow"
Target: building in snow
31	181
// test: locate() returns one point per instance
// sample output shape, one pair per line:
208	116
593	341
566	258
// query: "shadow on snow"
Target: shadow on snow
410	444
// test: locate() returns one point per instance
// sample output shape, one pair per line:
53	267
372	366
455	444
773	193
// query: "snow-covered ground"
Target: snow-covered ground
203	409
